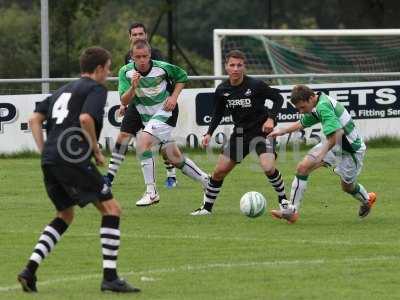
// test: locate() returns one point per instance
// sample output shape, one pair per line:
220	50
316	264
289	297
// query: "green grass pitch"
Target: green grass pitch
328	254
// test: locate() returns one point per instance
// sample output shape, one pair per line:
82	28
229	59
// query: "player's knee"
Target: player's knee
67	215
113	209
123	137
174	156
219	174
348	188
269	170
303	168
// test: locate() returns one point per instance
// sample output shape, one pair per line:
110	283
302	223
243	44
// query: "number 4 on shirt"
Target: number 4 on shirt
60	109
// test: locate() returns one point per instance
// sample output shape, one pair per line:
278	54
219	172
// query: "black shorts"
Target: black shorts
131	123
68	186
240	145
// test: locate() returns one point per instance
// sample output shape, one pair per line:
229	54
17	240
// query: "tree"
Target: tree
63	13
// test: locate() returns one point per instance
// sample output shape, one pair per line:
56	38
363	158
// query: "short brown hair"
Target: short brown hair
137	25
92	57
140	44
301	93
235	54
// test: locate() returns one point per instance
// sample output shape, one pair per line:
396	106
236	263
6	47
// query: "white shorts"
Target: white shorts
160	130
347	165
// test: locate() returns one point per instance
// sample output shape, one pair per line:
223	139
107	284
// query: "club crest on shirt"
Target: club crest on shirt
226	94
105	189
248	92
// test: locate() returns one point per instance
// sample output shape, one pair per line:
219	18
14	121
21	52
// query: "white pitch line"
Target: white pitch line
223	265
235	238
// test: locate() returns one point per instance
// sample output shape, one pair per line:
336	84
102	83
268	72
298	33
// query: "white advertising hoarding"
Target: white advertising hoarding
375	106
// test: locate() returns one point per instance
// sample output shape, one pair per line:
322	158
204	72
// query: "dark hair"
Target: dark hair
235	54
137	25
301	93
140	44
92	57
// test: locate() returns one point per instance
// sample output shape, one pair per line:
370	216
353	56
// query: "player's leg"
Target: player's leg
170	181
233	152
110	236
265	148
349	167
172	153
90	188
131	124
145	141
52	232
299	186
117	156
224	166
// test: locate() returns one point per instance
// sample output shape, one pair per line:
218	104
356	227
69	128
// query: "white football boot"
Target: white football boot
200	212
148	199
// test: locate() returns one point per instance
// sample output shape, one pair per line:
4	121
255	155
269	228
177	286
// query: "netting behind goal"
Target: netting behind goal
317	54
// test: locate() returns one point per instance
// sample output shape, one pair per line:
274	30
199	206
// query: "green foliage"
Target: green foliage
19	42
76	24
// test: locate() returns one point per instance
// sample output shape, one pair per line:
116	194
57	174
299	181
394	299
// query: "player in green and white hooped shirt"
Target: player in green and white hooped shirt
144	83
343	149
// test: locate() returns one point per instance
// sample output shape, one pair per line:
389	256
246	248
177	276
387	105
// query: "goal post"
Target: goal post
288	51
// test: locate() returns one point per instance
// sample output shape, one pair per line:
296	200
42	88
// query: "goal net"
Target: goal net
312	51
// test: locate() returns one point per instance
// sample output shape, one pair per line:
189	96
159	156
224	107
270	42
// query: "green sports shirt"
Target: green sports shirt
153	90
333	116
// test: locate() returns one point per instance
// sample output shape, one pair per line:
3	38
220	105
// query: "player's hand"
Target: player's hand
170	104
135	79
268	126
99	157
276	132
122	110
206	140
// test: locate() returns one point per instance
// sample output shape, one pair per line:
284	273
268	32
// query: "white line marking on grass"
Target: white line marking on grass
223	265
144	278
233	238
249	239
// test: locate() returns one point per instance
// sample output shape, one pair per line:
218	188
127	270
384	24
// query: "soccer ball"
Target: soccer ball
253	204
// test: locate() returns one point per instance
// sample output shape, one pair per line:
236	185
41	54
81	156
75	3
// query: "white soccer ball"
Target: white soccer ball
253	204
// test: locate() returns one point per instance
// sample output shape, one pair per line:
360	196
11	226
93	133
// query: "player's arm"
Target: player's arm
173	99
218	113
331	128
128	95
328	144
91	114
89	127
36	124
126	89
282	131
274	95
179	77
